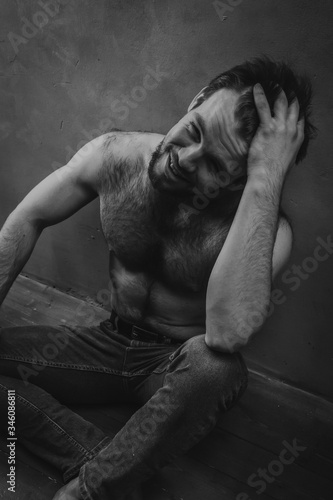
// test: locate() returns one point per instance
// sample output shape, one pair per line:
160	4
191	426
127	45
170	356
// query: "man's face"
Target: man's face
203	149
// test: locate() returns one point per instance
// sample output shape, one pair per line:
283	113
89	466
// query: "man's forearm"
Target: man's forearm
17	240
240	283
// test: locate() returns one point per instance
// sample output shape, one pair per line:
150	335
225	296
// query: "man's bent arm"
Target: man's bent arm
17	240
57	197
239	286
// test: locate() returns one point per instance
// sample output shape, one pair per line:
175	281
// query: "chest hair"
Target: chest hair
149	233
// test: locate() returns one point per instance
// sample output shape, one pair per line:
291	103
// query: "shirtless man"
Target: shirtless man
195	236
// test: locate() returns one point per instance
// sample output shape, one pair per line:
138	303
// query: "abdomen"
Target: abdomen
140	299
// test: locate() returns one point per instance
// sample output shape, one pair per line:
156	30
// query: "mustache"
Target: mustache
167	148
160	150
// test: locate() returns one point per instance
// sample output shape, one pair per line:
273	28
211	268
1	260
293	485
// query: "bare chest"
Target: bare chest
177	251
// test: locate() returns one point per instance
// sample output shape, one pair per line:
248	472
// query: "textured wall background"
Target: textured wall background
63	79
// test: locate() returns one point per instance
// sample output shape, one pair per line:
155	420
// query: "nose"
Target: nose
189	158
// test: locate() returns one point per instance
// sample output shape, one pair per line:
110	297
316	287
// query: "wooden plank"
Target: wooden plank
30	483
30	302
269	417
181	484
241	459
222	481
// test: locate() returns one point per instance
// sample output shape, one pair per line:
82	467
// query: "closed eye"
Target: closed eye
195	132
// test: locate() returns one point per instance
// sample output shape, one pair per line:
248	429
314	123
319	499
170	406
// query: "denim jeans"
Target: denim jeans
181	389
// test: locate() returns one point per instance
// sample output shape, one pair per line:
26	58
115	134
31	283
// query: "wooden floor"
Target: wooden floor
270	417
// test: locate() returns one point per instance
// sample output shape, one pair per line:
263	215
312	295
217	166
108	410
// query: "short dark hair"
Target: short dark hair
272	76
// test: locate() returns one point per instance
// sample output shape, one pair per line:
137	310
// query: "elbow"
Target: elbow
225	345
225	339
229	331
21	217
218	345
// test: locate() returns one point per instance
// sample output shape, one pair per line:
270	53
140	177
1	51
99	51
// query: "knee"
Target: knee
224	371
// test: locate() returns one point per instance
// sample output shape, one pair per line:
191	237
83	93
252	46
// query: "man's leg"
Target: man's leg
192	389
48	367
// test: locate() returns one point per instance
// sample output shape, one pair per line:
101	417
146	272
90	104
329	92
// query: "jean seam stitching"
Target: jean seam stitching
62	365
56	426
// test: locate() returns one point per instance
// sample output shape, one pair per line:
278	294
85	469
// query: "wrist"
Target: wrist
261	178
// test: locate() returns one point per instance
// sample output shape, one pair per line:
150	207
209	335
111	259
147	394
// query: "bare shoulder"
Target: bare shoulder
117	160
86	165
283	245
118	146
124	156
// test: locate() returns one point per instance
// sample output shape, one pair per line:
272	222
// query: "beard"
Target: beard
166	201
154	177
157	175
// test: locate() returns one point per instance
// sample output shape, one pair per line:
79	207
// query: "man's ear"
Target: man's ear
198	99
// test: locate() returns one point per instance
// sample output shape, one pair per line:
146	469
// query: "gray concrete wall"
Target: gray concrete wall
61	84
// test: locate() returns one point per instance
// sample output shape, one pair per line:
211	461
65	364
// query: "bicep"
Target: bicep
66	190
282	247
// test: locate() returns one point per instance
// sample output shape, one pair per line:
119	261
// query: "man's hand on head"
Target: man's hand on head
276	143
